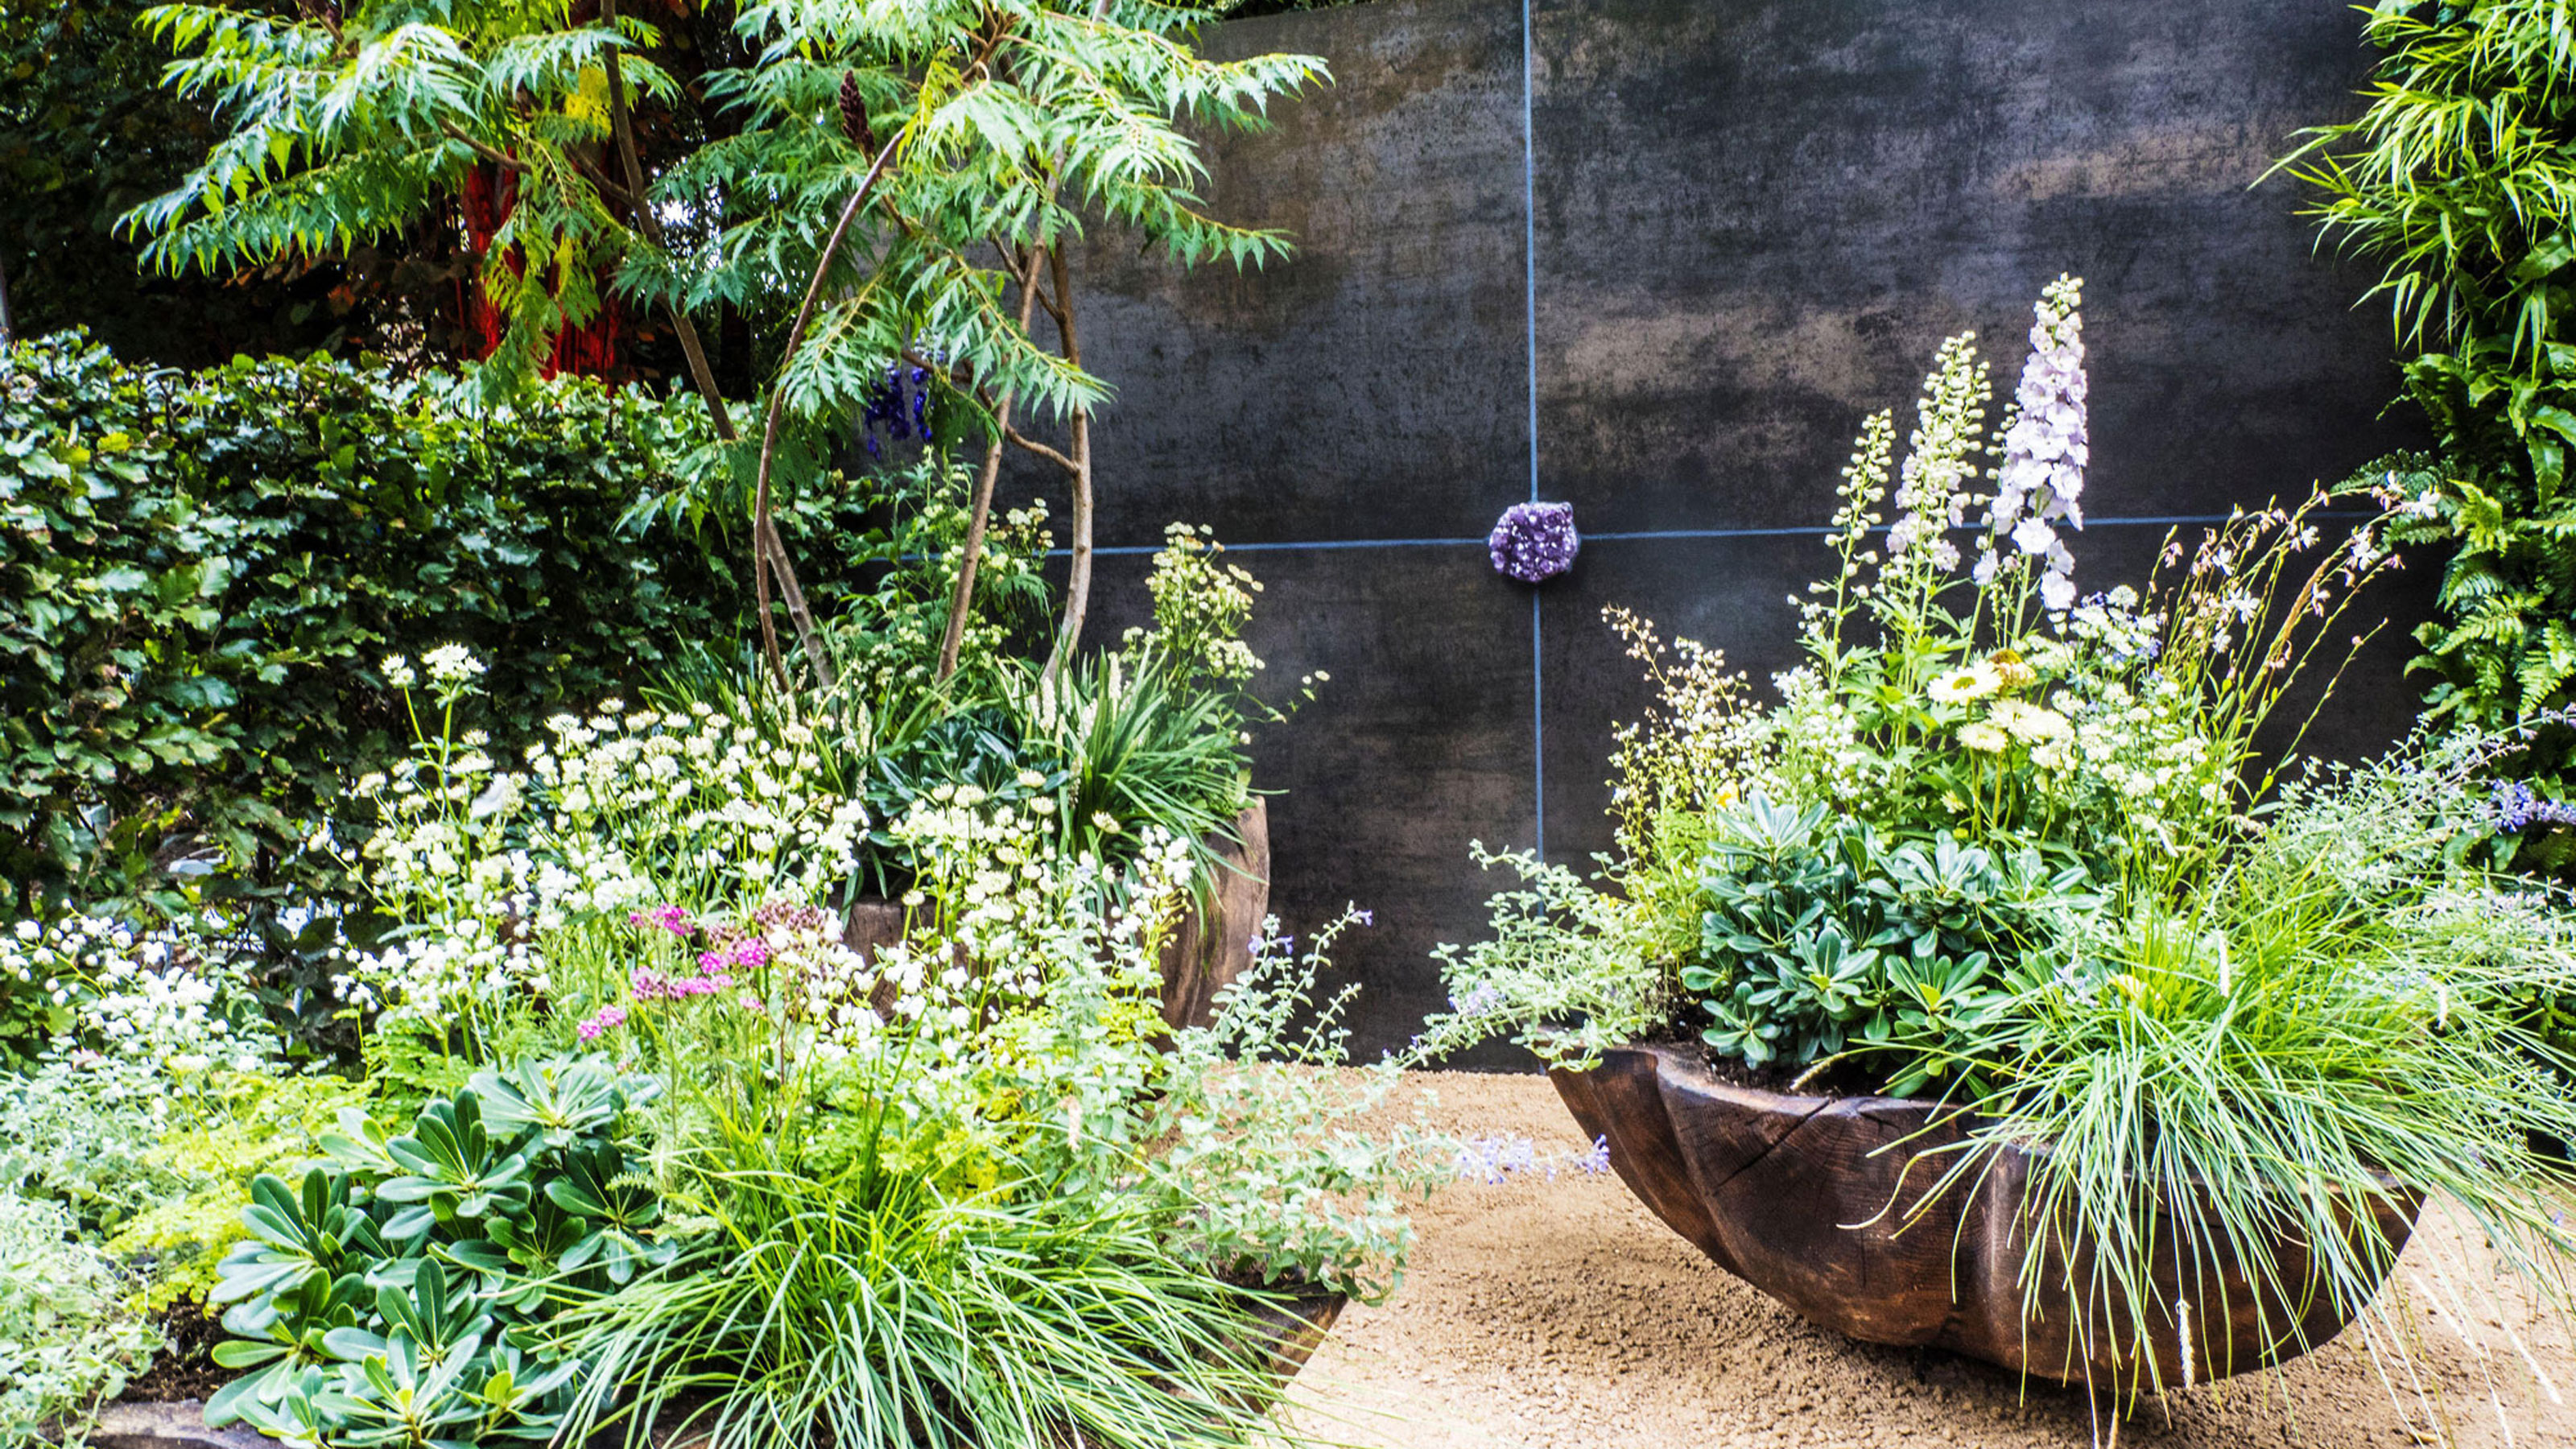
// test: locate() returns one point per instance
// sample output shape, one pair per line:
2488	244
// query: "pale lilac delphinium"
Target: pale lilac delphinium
1534	542
2041	482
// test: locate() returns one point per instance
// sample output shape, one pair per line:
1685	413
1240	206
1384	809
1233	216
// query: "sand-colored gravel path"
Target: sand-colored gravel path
1562	1315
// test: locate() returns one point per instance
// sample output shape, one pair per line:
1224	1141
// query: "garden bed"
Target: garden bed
1545	1314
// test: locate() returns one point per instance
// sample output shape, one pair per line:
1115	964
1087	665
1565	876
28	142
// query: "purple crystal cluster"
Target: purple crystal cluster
1534	542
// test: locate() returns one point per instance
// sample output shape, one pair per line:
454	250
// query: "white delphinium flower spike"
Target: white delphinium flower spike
2041	482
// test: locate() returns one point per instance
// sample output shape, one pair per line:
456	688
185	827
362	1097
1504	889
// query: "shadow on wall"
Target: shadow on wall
1754	222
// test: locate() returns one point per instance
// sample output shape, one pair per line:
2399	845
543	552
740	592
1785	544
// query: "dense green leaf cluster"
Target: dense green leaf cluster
1821	939
65	1339
1012	121
86	133
199	573
2460	177
398	1295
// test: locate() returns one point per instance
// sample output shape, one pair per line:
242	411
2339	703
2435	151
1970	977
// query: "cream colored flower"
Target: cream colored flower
1979	735
2012	670
1962	685
2029	722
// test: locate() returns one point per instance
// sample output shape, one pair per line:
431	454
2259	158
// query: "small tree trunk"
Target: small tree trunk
1077	587
961	601
768	551
763	526
8	329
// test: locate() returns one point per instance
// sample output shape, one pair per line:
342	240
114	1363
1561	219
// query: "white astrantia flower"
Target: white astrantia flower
450	664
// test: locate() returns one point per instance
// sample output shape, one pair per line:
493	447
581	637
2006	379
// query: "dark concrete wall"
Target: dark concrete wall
1754	222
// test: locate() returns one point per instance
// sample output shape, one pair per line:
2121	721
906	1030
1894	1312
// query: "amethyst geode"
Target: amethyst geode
1534	542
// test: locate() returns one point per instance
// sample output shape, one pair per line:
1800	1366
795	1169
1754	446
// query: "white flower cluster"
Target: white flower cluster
2041	481
141	996
1932	487
621	810
1817	744
1695	743
2138	751
717	790
1200	606
1006	890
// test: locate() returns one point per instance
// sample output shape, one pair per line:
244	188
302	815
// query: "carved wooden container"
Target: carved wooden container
1806	1198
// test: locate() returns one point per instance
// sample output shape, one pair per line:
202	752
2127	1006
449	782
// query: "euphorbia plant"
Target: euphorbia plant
902	185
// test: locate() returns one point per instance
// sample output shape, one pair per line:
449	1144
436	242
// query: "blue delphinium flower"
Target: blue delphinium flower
1534	542
898	409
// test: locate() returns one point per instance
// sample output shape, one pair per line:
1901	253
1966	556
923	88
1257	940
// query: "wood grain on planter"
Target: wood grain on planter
1807	1198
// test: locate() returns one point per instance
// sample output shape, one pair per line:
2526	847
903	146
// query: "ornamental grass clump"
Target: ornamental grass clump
2051	860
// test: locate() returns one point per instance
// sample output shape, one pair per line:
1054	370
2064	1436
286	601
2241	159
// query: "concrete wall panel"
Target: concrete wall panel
1755	220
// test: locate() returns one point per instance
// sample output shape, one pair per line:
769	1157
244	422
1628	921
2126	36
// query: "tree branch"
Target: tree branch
498	158
762	524
768	550
979	516
1042	450
1077	584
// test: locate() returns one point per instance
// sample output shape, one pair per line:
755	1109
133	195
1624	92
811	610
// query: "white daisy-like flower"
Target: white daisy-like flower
1985	738
1959	686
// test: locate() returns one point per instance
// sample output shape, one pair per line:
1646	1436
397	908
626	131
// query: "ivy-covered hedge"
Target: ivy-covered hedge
199	575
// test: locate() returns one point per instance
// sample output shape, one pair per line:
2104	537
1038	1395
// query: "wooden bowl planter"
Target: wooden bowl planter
1209	950
1793	1194
1293	1329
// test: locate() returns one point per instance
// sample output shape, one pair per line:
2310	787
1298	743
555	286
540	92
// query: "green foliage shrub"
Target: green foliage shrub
241	1126
154	1166
1822	940
404	1288
86	132
198	575
2458	176
66	1339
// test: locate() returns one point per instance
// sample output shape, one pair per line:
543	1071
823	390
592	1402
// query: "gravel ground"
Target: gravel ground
1562	1315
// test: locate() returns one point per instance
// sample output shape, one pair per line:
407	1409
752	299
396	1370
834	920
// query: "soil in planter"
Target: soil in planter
186	1369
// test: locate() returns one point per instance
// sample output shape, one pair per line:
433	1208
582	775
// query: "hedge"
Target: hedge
199	574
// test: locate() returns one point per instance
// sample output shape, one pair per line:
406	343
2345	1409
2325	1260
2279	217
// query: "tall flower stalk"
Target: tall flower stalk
2041	483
